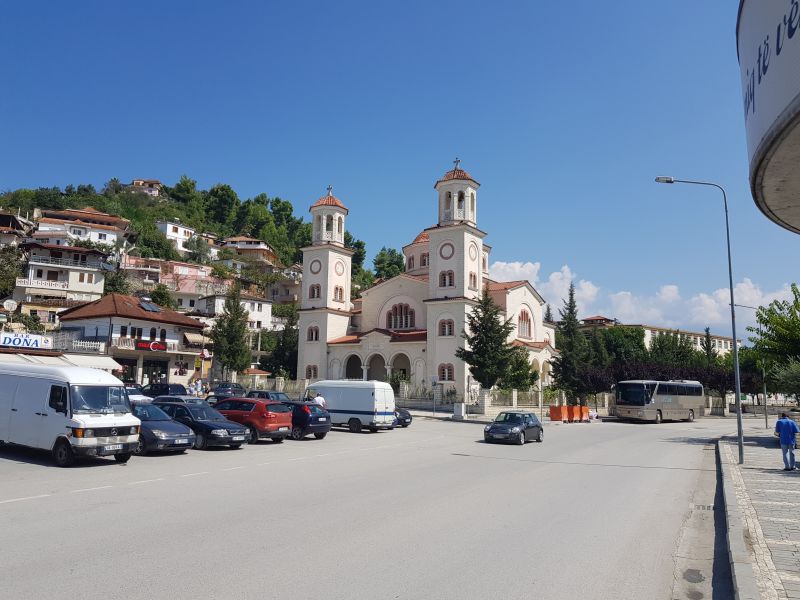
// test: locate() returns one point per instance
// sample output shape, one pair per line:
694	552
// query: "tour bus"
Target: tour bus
356	403
70	411
644	400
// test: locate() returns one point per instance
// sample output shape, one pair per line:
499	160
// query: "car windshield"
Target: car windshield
149	412
205	413
280	397
508	418
99	399
177	388
632	394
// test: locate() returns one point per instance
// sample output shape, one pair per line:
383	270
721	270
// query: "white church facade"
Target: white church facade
411	324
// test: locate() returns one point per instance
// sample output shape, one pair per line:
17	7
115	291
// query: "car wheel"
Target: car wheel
297	433
404	425
253	435
122	458
141	447
373	430
691	416
235	446
320	436
278	440
540	435
354	425
658	416
200	442
487	439
63	454
521	438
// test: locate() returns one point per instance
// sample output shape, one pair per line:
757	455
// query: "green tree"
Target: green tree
487	351
672	349
598	354
779	329
519	373
10	269
573	350
388	263
197	250
116	282
359	249
707	347
229	334
152	243
162	296
222	203
283	358
787	378
624	343
548	314
32	323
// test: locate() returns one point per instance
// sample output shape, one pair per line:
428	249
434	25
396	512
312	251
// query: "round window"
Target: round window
473	252
339	268
316	266
446	250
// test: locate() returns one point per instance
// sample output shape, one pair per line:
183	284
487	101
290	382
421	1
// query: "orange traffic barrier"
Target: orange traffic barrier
558	413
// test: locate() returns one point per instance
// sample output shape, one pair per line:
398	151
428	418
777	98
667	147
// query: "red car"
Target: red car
264	418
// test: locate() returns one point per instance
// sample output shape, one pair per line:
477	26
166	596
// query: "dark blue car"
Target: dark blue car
308	418
159	432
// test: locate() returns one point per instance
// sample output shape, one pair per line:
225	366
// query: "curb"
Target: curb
739	552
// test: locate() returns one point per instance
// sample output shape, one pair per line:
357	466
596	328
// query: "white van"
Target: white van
357	404
71	411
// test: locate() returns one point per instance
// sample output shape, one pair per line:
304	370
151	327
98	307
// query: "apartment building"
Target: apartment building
259	310
177	233
151	187
13	228
63	227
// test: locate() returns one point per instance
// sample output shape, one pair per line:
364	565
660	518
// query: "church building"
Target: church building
411	325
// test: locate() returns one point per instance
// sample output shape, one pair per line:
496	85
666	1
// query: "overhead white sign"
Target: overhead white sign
26	340
768	40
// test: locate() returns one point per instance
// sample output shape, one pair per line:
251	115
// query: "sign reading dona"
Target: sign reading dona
26	340
158	346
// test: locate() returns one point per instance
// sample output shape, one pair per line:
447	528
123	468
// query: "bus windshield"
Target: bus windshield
633	394
99	399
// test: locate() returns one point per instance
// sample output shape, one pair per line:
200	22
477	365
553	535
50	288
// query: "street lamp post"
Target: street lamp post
738	384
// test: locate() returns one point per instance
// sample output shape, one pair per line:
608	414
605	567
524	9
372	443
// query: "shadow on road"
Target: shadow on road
43	458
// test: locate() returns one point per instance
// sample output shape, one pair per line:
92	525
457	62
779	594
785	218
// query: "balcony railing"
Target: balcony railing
66	262
329	236
87	346
42	283
158	346
458	214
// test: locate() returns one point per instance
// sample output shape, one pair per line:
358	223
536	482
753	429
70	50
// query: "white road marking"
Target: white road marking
102	487
263	464
145	481
233	469
320	455
23	499
299	458
193	474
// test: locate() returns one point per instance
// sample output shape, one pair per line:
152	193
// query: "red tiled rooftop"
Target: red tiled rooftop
330	200
422	237
456	174
504	286
119	305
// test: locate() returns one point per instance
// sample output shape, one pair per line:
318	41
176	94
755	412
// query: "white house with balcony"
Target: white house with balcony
63	227
259	311
153	344
58	277
177	233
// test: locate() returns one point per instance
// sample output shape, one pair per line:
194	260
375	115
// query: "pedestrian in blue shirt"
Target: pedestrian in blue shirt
786	429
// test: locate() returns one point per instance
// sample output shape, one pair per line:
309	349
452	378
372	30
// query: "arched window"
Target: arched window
152	333
401	316
410	265
311	372
314	291
472	204
473	281
446	327
338	293
448	203
329	223
162	335
319	222
340	225
313	334
524	324
446	372
460	200
485	265
423	260
447	279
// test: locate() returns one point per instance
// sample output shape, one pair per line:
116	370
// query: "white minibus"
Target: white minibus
70	411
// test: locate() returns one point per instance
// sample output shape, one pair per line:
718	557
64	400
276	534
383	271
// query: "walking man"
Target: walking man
318	399
786	429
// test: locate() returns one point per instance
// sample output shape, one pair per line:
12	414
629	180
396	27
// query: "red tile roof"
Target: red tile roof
422	237
63	248
454	174
329	200
78	223
118	305
598	318
503	286
536	345
412	335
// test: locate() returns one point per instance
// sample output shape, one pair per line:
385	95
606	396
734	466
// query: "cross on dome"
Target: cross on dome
457	162
330	190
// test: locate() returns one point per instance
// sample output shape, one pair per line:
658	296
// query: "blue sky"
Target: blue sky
563	111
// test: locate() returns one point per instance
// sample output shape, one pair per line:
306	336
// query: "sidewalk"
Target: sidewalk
762	503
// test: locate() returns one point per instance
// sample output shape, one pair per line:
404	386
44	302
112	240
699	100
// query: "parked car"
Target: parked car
308	418
133	388
212	399
263	418
159	432
402	417
227	390
70	411
163	389
514	426
269	395
356	404
182	398
209	426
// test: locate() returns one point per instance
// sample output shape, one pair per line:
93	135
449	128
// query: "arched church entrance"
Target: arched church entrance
352	368
376	368
401	365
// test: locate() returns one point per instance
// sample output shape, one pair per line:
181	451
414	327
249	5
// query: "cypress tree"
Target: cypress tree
573	350
230	333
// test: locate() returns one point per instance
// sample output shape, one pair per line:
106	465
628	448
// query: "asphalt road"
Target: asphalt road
428	512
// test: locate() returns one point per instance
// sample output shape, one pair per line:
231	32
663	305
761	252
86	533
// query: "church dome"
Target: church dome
456	174
329	200
422	237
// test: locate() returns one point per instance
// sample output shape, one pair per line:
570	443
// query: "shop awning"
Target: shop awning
198	339
105	363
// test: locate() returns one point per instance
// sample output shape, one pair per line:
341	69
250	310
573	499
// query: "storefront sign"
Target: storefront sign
26	340
151	346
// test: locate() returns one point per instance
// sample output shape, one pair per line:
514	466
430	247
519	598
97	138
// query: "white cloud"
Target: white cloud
665	308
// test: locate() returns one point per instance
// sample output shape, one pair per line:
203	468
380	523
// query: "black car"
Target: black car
160	433
133	388
209	426
268	395
402	417
183	399
307	418
163	389
228	390
514	426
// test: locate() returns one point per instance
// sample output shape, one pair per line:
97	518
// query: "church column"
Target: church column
364	370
